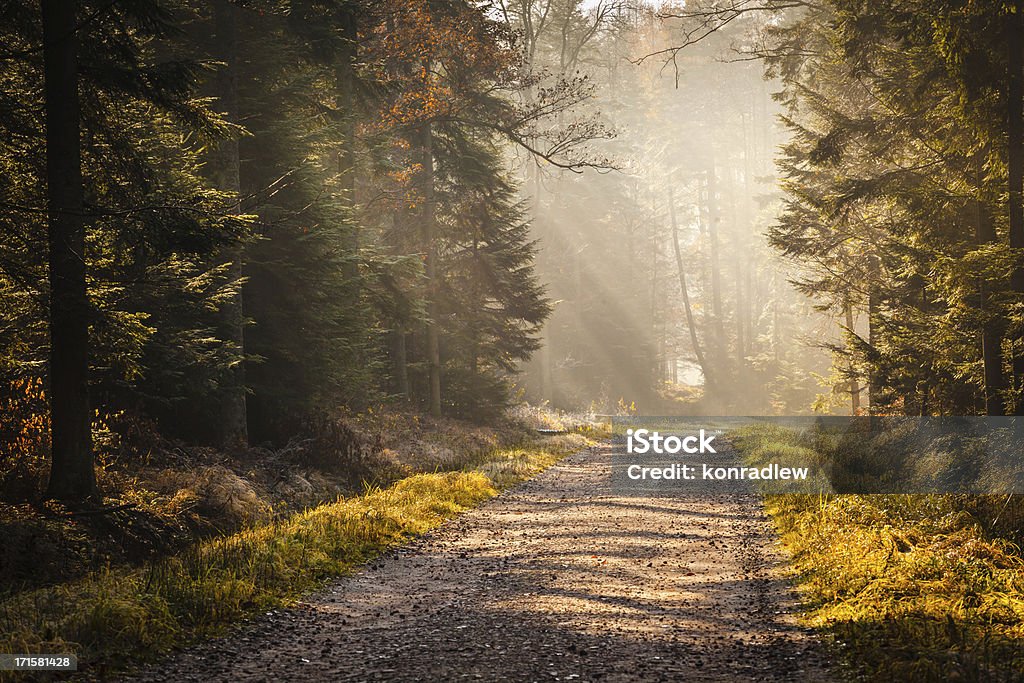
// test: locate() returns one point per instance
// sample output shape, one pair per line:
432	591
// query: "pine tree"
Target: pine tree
148	223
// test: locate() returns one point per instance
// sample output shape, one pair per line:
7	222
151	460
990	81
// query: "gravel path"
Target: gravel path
554	580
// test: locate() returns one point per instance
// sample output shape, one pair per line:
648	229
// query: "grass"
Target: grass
137	613
908	587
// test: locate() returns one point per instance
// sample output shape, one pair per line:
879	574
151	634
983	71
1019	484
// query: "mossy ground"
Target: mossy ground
908	587
130	613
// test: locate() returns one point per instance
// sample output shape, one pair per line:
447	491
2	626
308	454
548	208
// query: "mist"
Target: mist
688	190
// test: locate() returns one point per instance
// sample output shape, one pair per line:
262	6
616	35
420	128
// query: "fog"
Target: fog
687	164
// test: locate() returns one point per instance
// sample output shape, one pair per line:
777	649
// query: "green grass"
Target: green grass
909	587
137	613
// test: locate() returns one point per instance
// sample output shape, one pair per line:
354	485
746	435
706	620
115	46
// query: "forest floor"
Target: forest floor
174	494
555	579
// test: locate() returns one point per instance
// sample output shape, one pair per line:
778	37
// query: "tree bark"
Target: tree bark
690	322
776	321
750	265
717	322
874	310
739	247
544	353
72	476
993	325
234	430
430	265
1015	169
532	179
345	80
399	361
659	367
854	387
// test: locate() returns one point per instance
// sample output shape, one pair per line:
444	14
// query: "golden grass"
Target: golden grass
134	613
909	587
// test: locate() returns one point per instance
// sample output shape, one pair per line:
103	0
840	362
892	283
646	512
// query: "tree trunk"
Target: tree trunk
1015	170
430	256
854	387
72	476
234	430
776	321
345	79
399	355
717	322
690	322
993	325
659	366
532	180
741	304
738	256
750	265
874	310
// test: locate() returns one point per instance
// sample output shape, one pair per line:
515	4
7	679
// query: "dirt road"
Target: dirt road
556	580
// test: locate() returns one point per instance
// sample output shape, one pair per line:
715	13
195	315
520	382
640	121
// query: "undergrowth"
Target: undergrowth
163	495
139	612
909	587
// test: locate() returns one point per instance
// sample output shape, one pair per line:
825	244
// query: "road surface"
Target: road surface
555	580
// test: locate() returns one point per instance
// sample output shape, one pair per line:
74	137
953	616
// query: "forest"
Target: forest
285	210
261	259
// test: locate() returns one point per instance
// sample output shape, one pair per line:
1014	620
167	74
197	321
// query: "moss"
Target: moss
907	587
135	613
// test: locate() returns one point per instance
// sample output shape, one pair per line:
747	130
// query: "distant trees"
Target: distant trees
449	74
661	277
